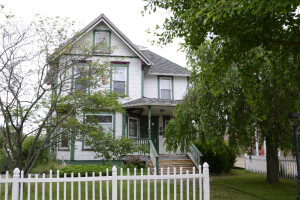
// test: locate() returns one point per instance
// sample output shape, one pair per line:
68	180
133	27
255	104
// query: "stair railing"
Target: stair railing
194	154
153	155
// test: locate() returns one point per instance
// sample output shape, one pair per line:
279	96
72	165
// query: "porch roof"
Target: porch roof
151	102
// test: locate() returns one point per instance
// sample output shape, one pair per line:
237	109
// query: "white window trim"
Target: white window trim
171	92
112	118
112	124
138	127
126	68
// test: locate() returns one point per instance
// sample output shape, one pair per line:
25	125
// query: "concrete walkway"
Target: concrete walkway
240	162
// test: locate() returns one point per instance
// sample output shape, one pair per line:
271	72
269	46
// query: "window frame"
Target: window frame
109	41
138	127
101	114
171	86
60	147
74	67
126	66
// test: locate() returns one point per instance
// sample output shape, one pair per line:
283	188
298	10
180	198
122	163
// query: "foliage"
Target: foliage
3	162
221	160
37	75
88	168
246	78
134	162
44	156
41	168
108	147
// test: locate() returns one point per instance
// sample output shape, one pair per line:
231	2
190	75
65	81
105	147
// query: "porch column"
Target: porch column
149	122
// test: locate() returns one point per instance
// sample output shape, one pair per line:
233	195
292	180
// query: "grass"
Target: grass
243	185
239	185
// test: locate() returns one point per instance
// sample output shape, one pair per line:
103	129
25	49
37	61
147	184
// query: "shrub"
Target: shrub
3	162
82	169
41	168
43	158
134	162
220	159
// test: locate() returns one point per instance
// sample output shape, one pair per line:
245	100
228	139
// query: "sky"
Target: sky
125	14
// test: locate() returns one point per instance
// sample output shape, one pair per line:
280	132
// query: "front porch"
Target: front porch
146	119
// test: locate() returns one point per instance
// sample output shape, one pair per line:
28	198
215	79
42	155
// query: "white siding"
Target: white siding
123	53
180	86
151	86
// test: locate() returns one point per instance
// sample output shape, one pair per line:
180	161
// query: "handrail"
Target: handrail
153	155
141	141
195	155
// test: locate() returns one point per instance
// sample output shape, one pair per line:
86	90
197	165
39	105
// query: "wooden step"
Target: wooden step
185	164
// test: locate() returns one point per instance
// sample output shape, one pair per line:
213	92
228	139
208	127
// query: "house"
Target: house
153	84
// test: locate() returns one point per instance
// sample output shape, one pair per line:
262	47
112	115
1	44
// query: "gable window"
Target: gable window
133	128
102	41
165	87
80	78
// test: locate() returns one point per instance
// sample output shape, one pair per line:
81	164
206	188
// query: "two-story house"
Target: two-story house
153	84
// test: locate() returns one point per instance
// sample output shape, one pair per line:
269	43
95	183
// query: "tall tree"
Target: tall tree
254	48
43	84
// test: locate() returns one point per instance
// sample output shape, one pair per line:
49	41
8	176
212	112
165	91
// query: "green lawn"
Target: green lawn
242	185
238	185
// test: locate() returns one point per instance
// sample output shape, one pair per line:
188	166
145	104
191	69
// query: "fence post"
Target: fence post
114	183
206	181
246	160
15	184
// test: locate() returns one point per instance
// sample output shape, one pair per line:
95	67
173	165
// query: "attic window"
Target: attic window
102	41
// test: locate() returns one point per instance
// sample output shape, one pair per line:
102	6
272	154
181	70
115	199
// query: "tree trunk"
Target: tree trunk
272	160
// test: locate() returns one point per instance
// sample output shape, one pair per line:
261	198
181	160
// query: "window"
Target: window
133	128
64	140
105	120
165	88
119	80
81	78
102	40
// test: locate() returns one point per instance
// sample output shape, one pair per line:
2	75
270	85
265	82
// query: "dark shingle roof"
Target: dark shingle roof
151	102
163	66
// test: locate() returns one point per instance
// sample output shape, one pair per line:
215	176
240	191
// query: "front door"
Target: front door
154	130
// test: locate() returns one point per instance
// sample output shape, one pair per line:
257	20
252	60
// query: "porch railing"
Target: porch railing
194	154
153	156
141	141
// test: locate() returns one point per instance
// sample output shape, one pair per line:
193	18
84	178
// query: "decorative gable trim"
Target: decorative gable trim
104	19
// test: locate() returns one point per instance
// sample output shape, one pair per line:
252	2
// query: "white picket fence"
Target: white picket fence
258	164
16	187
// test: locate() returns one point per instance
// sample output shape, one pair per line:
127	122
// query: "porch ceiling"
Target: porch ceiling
158	106
150	102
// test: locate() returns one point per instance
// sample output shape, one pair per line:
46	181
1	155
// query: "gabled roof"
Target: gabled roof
163	66
158	64
150	102
103	18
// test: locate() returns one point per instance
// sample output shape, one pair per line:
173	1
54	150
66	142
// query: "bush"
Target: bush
41	168
220	160
43	158
3	162
134	162
82	169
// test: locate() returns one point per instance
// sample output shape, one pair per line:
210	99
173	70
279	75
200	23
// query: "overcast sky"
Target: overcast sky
125	14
